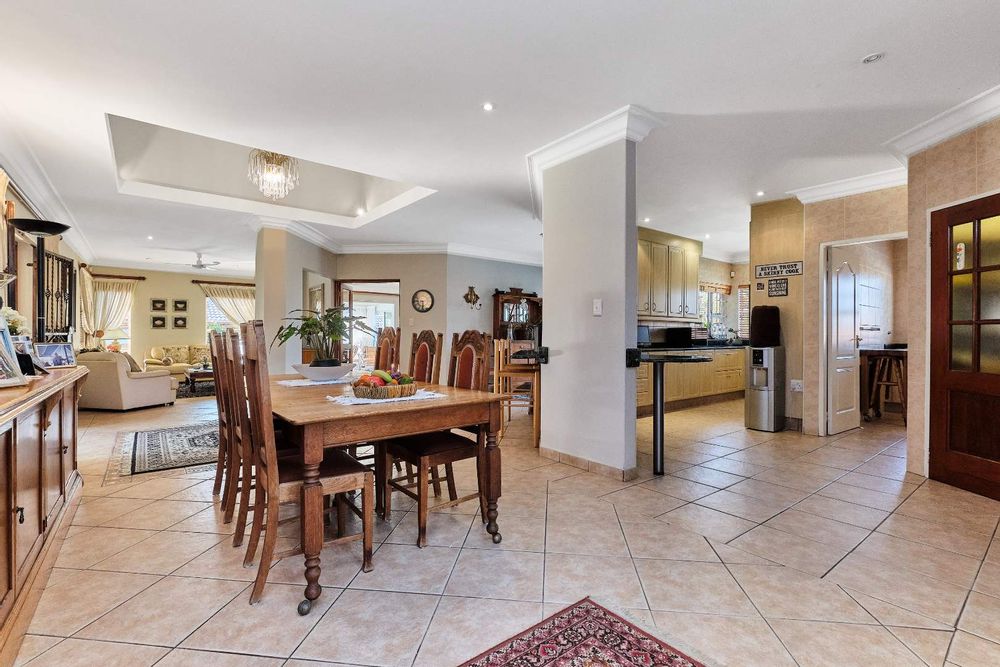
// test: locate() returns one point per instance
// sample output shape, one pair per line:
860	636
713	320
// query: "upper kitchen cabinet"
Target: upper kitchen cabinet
667	276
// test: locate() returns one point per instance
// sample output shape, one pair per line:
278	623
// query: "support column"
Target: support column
586	191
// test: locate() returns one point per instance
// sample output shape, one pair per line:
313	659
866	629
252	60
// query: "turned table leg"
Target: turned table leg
312	515
493	474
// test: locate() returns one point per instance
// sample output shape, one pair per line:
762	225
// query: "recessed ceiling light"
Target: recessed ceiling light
708	236
873	58
760	193
360	211
149	238
487	106
645	219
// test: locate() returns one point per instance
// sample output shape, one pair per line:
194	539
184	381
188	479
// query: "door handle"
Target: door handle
646	307
65	449
654	305
19	511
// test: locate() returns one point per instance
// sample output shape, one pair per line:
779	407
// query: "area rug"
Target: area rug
198	390
168	448
584	634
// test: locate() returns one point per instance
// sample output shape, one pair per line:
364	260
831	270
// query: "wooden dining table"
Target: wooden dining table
311	421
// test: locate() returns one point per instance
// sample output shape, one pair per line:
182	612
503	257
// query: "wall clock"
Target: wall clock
422	300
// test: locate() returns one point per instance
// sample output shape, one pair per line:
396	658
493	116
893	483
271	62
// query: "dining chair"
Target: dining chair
468	369
280	481
509	379
226	469
387	349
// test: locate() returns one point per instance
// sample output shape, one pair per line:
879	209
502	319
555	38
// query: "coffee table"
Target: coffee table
195	375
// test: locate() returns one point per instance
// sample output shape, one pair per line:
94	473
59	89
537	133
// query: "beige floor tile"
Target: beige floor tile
708	522
501	575
735	467
836	457
161	554
988	581
677	487
157	515
86	653
637	501
408	569
586	483
183	657
166	612
709	476
515	504
156	489
756	488
272	627
693	587
580	508
779	592
809	556
663	540
33	646
814	643
838	510
860	496
944	565
877	483
981	616
572	577
463	628
885	466
566	536
732	555
818	528
949	538
519	534
81	596
95	544
339	564
209	520
971	651
101	510
443	530
728	640
891	615
223	561
931	646
201	491
904	588
345	633
745	507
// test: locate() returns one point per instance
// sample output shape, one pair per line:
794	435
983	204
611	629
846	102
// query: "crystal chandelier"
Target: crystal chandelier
275	174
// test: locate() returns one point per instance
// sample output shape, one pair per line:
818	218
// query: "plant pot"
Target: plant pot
325	362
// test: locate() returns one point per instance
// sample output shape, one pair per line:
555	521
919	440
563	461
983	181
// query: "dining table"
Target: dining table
311	421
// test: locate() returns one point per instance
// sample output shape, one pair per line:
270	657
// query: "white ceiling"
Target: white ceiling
755	96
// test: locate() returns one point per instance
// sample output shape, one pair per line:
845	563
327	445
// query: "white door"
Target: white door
843	388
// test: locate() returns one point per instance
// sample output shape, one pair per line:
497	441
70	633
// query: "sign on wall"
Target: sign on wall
777	287
777	270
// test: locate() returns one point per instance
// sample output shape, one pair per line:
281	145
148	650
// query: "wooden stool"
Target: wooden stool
889	373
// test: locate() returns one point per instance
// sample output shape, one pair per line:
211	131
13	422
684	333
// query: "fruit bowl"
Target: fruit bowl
382	393
322	373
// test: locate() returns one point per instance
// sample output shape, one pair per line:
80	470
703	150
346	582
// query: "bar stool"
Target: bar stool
889	374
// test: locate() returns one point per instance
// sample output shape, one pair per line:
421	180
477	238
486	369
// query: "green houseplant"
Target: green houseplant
320	331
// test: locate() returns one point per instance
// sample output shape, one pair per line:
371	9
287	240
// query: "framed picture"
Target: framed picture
55	355
158	322
180	322
158	305
10	370
317	298
422	300
180	306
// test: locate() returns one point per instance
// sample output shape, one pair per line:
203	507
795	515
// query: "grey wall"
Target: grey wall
486	276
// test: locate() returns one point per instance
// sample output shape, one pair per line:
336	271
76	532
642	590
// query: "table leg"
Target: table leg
312	514
657	419
380	473
492	459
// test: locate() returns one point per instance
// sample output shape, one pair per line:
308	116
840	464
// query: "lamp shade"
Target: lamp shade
38	227
114	333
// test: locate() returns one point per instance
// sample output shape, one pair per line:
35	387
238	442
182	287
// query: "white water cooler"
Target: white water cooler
765	393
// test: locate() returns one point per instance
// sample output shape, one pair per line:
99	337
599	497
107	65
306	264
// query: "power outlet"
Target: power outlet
796	386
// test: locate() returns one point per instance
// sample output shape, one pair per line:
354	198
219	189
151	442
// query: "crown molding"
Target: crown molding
27	173
965	116
299	229
166	268
461	250
454	249
631	122
880	180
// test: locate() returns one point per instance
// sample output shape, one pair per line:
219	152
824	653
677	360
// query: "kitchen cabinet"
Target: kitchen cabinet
667	281
723	375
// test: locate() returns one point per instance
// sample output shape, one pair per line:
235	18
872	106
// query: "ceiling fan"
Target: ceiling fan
203	265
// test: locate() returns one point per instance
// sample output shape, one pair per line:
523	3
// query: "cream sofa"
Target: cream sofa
113	385
182	357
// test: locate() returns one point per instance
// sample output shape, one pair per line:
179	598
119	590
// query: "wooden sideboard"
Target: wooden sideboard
38	479
724	375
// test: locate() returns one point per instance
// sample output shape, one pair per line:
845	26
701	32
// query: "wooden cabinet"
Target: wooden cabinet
7	569
667	281
723	375
643	385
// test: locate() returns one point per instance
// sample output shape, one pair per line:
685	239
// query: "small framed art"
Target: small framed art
55	355
158	305
180	322
158	322
180	305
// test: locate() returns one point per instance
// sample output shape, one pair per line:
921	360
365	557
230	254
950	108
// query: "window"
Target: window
215	320
743	311
712	308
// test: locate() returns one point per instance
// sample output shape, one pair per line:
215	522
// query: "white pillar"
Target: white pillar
585	184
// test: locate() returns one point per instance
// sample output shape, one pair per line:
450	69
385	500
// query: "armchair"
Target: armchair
112	385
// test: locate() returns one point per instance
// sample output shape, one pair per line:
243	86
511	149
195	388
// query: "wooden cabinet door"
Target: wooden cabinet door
644	272
68	408
690	294
27	512
53	459
658	304
7	525
675	282
643	386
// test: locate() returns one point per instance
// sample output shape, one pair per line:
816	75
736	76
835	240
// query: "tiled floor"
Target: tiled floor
756	549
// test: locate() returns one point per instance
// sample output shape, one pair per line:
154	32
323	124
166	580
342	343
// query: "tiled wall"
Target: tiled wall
963	167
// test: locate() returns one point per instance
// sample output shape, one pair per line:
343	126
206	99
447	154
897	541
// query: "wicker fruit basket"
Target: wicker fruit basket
388	391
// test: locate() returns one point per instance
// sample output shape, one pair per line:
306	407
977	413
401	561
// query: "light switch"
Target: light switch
598	307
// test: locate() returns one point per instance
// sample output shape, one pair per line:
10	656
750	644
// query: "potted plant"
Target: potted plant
320	331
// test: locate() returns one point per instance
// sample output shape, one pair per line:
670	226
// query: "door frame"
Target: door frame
338	295
824	347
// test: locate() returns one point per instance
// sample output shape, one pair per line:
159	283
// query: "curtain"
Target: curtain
86	285
112	304
237	302
4	181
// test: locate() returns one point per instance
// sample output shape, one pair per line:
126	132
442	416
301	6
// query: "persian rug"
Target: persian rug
203	388
168	448
584	634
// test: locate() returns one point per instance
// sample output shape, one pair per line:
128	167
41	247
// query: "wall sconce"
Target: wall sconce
472	299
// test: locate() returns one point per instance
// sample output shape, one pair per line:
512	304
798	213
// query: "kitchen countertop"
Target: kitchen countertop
695	348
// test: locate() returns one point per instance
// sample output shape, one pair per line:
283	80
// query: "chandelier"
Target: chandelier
275	174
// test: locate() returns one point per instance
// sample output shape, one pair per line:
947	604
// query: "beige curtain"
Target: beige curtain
4	181
112	304
86	285
235	301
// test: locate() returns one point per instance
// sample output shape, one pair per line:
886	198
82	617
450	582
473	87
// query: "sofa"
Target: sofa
180	358
115	382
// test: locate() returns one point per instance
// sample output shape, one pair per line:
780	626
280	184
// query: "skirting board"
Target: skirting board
589	466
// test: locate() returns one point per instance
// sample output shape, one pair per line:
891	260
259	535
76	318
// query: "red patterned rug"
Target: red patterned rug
583	635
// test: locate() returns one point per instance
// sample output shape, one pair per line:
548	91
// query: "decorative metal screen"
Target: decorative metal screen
60	297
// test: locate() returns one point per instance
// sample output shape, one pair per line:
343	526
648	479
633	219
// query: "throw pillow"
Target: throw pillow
132	364
167	361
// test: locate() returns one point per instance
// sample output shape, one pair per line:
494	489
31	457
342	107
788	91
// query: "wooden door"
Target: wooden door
965	346
69	414
644	273
53	459
843	387
6	526
658	301
691	266
27	513
675	282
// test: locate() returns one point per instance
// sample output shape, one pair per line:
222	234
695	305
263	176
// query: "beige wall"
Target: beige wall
776	234
961	168
900	316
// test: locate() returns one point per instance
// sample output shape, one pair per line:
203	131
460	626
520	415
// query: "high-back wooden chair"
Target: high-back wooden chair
519	384
239	430
226	468
468	368
425	356
387	349
281	481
